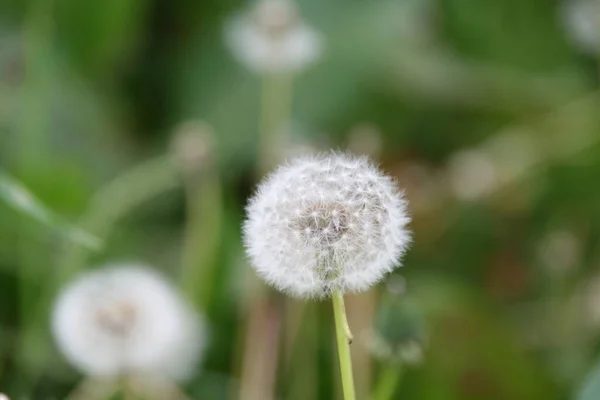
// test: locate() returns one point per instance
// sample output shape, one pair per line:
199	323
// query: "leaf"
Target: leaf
21	199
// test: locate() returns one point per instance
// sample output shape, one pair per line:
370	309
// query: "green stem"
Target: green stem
276	107
129	393
344	338
202	235
93	389
131	388
387	385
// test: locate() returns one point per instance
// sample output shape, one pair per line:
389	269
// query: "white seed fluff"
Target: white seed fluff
272	38
581	21
127	319
331	222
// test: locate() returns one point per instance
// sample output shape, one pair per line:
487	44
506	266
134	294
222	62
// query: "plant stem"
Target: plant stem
93	389
129	390
202	235
276	106
388	381
344	339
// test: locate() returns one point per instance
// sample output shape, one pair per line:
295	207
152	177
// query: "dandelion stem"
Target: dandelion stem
388	381
344	339
202	235
276	106
89	389
129	390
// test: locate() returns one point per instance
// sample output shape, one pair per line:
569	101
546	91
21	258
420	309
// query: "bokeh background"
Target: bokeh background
486	112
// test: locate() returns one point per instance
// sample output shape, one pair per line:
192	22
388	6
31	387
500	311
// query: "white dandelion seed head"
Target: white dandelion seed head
472	174
192	144
559	251
581	22
324	223
273	38
127	319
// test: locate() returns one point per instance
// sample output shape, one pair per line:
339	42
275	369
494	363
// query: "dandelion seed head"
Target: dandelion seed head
126	319
192	145
581	22
273	38
473	175
323	223
275	17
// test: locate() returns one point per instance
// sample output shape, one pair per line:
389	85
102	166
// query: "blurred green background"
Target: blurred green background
484	111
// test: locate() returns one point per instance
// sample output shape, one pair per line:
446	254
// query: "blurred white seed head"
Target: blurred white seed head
324	223
559	251
411	352
472	174
396	285
513	154
193	144
126	319
581	22
3	397
272	38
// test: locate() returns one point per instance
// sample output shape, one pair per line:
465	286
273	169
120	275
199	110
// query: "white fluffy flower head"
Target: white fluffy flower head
581	21
331	222
273	38
126	320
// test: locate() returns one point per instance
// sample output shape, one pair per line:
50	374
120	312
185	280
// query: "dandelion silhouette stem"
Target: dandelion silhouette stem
344	338
388	382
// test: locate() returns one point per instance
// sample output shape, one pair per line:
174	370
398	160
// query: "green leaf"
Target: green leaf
21	199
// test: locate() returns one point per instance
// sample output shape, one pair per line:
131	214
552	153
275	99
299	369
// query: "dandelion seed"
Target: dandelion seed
273	38
342	246
126	319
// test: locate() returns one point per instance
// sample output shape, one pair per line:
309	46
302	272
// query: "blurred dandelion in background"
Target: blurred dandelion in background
193	145
273	38
581	22
472	174
559	252
125	320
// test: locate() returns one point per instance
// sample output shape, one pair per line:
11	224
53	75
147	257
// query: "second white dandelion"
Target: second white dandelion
127	320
